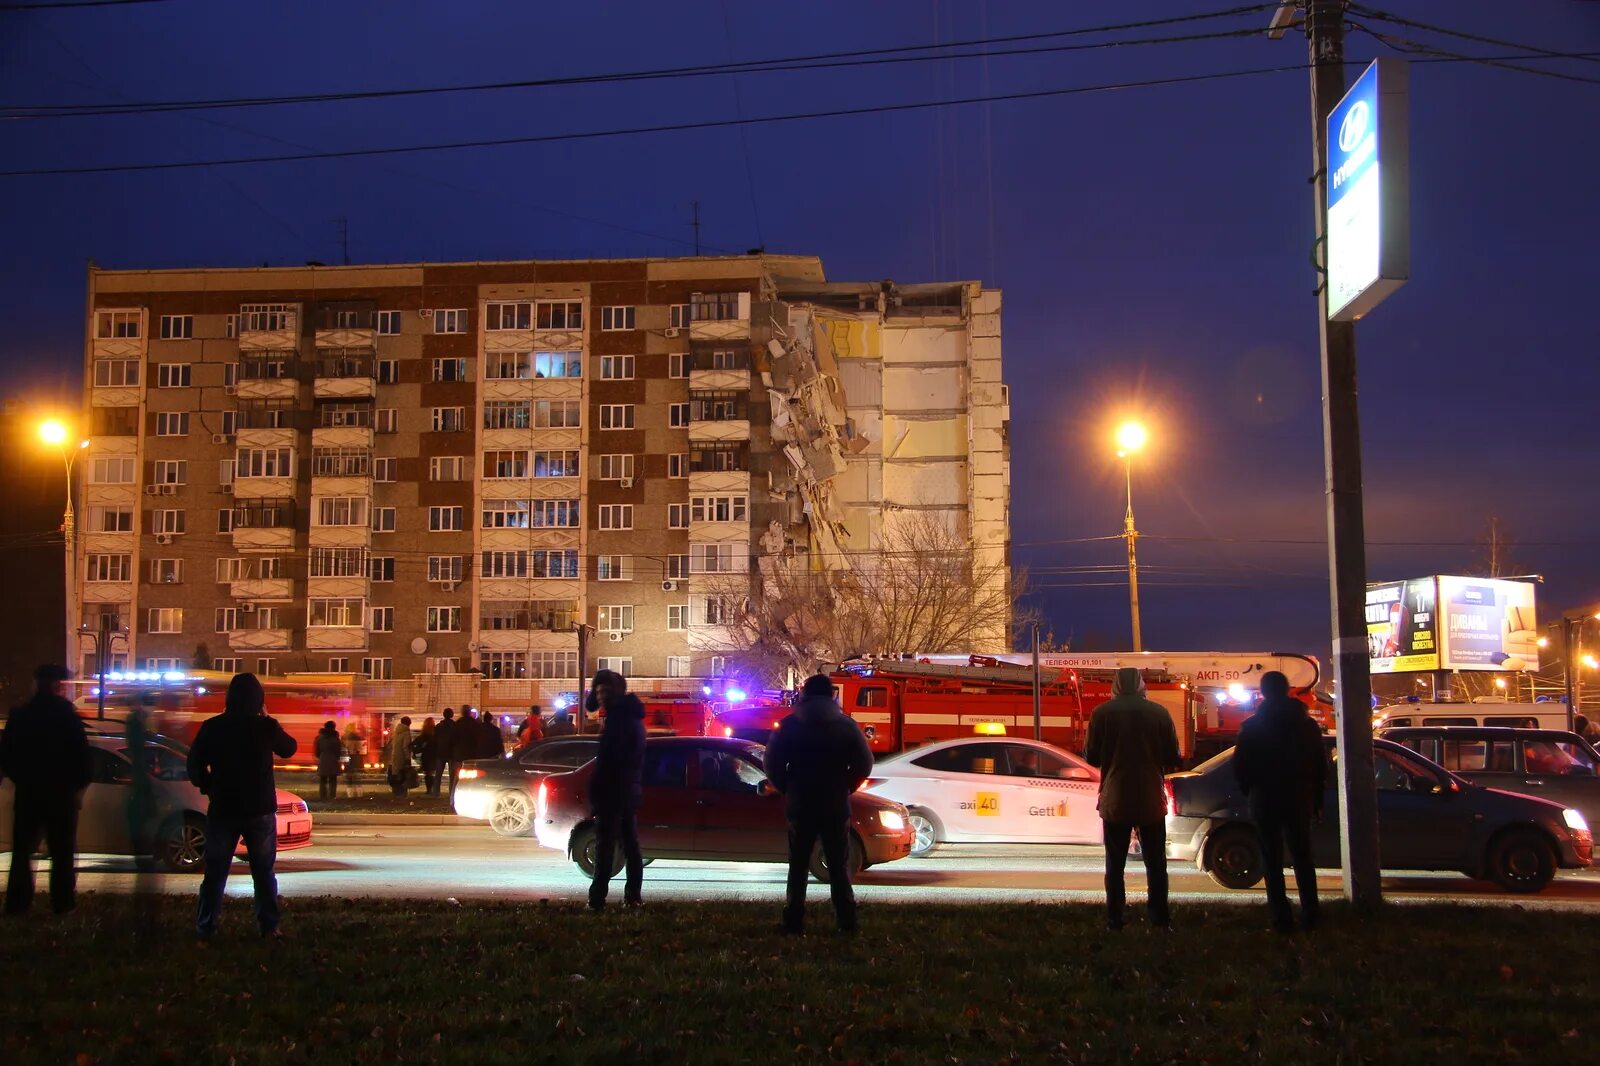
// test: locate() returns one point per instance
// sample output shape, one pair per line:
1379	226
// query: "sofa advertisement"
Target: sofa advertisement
1451	623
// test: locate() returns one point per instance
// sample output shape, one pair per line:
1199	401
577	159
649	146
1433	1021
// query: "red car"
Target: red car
708	798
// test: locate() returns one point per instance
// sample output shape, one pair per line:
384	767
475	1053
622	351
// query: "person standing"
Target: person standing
231	762
354	747
1282	766
448	739
616	788
44	751
531	731
330	755
1134	743
491	742
398	761
429	756
818	757
561	724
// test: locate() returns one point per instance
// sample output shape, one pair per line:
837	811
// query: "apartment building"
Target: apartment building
437	468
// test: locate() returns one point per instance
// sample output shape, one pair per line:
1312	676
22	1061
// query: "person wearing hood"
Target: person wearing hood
616	788
1134	743
398	761
231	762
1281	765
44	752
818	757
329	751
491	741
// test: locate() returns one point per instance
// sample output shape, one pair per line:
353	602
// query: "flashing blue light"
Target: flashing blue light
115	675
705	690
94	692
736	695
200	690
173	675
561	703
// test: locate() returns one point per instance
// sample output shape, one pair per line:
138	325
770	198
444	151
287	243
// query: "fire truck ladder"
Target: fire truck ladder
989	675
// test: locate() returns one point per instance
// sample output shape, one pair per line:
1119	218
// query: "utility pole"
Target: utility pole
344	239
695	204
1341	434
1038	710
583	630
1132	535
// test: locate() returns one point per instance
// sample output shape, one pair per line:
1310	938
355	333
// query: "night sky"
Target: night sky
1152	242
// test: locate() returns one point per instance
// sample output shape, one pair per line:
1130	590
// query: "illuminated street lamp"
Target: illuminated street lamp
56	434
1131	437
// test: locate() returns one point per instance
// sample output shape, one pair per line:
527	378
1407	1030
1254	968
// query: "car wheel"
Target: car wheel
584	844
857	860
1521	860
927	832
1233	857
184	849
511	814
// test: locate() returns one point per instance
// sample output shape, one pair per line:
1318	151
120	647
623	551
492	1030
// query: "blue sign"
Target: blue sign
1368	221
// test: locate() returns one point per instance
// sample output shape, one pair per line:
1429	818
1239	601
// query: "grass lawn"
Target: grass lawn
430	982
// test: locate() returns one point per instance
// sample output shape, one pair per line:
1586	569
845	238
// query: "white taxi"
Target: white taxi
992	790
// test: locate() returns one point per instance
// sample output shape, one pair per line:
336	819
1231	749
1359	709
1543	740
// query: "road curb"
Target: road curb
356	818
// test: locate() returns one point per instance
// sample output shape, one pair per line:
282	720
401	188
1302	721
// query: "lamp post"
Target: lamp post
55	433
1131	437
102	637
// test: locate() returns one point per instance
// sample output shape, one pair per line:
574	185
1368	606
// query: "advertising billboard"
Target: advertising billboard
1451	623
1369	210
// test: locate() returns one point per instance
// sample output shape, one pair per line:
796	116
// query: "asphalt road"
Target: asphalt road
470	862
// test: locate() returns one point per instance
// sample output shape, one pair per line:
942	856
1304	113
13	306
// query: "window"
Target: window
388	371
338	562
342	415
505	514
110	325
718	508
677	619
174	375
503	664
111	470
388	323
110	520
226	666
678	464
264	667
230	375
387	420
502	316
340	611
501	466
721	359
615	619
264	462
441	664
616	367
554	664
172	423
340	462
614	568
444	568
114	373
341	511
555	514
383	519
560	314
226	619
717	457
557	414
450	321
1395	773
554	563
225	470
230	326
444	619
449	419
108	567
446	519
447	468
678	415
614	318
616	416
507	414
166	571
677	365
504	564
678	666
225	520
616	467
618	664
713	610
165	620
338	664
677	566
985	758
376	668
167	523
171	472
616	516
383	469
718	558
450	370
555	464
257	318
381	568
716	406
714	306
677	516
507	366
558	364
230	423
381	620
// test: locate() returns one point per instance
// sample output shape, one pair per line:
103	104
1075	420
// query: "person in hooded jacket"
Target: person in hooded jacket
329	751
398	763
1281	765
491	741
44	751
231	762
616	788
1134	743
818	756
430	755
447	738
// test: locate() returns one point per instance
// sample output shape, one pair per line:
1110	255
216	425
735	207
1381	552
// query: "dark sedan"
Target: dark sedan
1428	819
501	791
1551	764
708	798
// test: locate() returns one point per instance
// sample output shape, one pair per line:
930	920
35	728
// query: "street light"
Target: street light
1131	437
56	433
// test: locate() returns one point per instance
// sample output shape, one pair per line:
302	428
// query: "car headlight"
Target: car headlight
893	820
1575	820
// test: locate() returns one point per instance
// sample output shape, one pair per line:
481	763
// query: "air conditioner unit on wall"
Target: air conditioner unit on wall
447	586
627	482
669	586
673	331
616	638
152	490
230	390
425	312
163	538
221	438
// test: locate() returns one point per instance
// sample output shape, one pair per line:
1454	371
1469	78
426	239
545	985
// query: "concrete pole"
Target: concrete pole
1132	535
1038	710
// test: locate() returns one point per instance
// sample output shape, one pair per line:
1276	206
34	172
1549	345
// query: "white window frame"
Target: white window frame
677	620
338	664
677	567
496	365
677	516
378	667
167	523
166	571
450	320
170	471
677	464
380	619
446	568
126	375
387	371
560	366
678	415
438	515
614	516
617	317
380	569
335	612
386	420
615	467
118	324
387	323
545	411
616	416
680	666
383	519
385	469
341	511
449	419
719	509
612	567
263	462
113	470
617	367
445	619
617	664
677	364
108	566
565	459
164	620
451	368
172	423
570	312
501	316
174	375
614	618
448	468
506	464
110	518
225	619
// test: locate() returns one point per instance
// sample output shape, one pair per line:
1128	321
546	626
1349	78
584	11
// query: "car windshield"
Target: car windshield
165	763
1214	762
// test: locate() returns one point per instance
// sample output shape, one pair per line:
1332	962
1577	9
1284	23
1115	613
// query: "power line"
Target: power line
1411	48
680	127
53	4
1384	16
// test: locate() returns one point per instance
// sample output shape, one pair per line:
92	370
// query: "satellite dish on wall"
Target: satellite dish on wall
418	645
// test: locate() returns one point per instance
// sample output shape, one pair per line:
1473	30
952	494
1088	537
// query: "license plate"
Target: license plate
299	828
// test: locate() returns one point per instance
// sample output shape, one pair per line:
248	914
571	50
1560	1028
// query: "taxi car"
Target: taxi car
1551	764
501	791
709	798
997	791
1428	819
179	807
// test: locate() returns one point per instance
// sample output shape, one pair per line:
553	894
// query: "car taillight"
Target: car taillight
727	730
469	774
873	782
542	800
1172	797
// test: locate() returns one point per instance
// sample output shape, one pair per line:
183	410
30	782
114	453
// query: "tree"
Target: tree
201	659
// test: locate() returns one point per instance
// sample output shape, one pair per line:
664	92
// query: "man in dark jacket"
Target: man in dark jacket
818	756
616	788
45	754
231	762
330	757
1282	767
561	724
1134	743
491	742
447	736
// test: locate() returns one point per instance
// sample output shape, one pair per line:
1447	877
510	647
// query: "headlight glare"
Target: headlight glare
892	820
1575	820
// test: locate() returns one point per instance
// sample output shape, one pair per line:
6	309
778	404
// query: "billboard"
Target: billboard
1369	209
1451	623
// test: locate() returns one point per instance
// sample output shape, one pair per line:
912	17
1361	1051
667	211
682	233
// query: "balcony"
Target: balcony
336	638
263	523
720	416
347	324
719	367
345	374
264	589
268	328
268	377
719	316
258	639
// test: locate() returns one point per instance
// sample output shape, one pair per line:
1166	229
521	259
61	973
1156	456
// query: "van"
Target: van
1509	715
